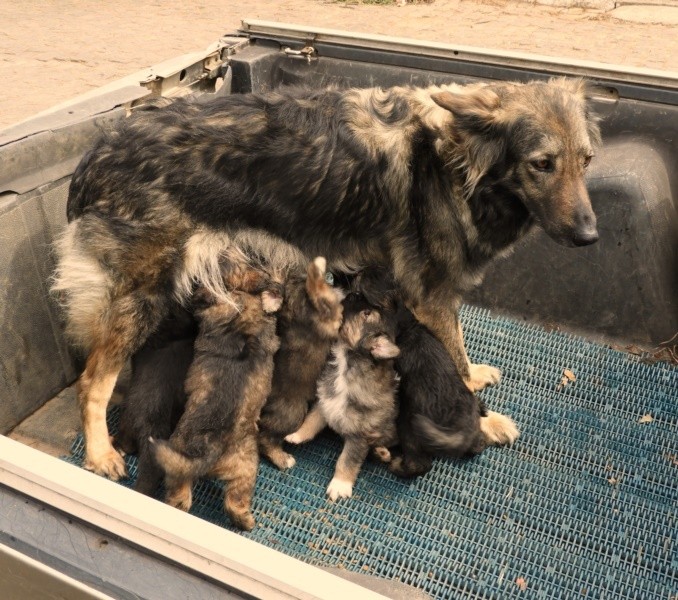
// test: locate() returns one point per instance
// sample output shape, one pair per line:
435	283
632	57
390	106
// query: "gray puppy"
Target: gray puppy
356	393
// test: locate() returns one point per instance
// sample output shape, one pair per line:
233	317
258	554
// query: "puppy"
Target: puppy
356	393
155	398
308	323
439	415
227	384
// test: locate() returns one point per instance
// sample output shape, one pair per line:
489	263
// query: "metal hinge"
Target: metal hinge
308	52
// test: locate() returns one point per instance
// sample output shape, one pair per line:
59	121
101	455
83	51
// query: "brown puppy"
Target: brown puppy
308	323
227	385
357	393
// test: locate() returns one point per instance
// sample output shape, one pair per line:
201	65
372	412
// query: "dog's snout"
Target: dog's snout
586	231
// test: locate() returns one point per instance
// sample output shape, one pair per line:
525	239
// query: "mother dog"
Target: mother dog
431	182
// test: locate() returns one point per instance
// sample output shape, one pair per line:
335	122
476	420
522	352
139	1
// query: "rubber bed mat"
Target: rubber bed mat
584	505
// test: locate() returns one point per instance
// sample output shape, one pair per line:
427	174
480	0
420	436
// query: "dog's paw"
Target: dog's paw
499	429
283	461
108	464
180	500
339	488
295	438
244	521
381	453
481	376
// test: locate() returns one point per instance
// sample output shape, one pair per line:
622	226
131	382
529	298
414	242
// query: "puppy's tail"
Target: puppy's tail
440	440
178	465
498	429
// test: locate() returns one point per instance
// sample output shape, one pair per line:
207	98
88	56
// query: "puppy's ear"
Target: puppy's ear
382	348
478	130
315	277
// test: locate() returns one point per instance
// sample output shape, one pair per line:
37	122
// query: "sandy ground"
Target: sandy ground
52	50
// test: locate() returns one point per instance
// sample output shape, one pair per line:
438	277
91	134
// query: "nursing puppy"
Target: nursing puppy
439	415
227	385
356	394
155	398
432	183
308	323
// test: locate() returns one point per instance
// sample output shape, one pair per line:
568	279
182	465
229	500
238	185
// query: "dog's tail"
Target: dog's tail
498	429
178	465
441	440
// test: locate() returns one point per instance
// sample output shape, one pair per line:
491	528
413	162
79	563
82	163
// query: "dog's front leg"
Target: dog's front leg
443	321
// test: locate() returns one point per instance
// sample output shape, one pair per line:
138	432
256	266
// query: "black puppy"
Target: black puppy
439	415
156	398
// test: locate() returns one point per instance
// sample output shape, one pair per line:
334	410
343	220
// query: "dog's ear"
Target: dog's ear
382	348
315	276
479	127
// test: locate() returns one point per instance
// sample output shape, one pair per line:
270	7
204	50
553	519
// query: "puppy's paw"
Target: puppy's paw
381	453
295	438
481	376
180	500
108	464
244	521
499	429
339	488
283	460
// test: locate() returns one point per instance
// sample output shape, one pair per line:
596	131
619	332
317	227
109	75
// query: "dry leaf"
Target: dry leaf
521	583
646	419
567	377
613	481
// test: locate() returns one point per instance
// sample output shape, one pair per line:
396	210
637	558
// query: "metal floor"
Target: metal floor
584	505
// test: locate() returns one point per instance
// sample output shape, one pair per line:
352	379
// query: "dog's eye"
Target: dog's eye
543	164
587	160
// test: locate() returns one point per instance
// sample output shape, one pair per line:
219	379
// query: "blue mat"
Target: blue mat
585	505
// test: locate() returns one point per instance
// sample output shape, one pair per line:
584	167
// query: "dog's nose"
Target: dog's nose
585	236
586	231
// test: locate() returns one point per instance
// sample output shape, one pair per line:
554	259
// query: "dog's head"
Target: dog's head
365	329
537	140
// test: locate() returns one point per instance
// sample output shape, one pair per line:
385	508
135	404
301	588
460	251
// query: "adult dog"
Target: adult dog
432	183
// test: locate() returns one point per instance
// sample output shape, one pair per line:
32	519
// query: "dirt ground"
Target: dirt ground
52	50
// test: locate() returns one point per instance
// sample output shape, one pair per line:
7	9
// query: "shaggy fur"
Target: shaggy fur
432	183
356	394
308	323
156	398
227	385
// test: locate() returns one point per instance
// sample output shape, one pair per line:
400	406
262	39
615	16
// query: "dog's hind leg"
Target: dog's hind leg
270	446
238	467
127	324
498	429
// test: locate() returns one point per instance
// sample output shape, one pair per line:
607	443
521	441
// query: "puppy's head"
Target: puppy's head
534	140
365	329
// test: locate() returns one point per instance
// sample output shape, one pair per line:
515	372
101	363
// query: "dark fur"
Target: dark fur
156	398
308	323
227	385
430	183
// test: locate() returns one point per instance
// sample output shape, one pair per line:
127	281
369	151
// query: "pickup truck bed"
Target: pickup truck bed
583	505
